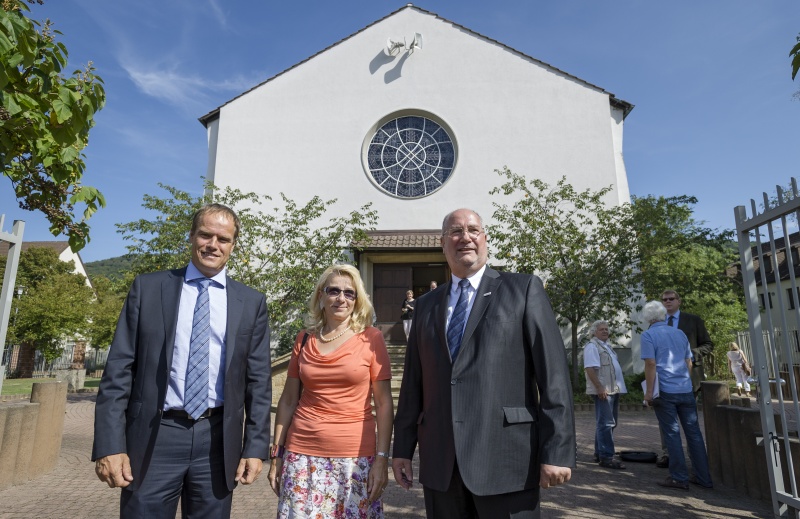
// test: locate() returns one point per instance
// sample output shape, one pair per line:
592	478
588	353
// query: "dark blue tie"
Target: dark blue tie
670	320
195	395
458	320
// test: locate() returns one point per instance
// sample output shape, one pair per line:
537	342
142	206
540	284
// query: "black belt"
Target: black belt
180	413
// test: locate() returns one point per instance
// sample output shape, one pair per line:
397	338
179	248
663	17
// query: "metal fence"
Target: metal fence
41	367
10	354
760	238
95	359
793	338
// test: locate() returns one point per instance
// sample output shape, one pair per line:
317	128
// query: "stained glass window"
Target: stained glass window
410	156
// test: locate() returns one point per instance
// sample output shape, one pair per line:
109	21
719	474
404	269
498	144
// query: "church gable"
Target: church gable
335	124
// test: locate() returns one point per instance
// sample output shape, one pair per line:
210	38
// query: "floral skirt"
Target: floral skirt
322	488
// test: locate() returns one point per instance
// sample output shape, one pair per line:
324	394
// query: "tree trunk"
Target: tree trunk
575	368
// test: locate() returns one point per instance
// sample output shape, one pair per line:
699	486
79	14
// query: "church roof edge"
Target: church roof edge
625	106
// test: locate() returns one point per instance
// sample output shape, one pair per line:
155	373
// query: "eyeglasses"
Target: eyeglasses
458	232
667	299
334	292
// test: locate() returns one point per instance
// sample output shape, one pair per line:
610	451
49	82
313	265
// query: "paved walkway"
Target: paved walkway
73	491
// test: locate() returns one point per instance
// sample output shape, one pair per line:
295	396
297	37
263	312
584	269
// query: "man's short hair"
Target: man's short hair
448	215
654	311
593	327
670	291
216	209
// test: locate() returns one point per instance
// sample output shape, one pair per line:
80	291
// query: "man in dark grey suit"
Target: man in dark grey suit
188	370
486	390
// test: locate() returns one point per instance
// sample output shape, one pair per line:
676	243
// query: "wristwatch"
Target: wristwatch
383	454
276	451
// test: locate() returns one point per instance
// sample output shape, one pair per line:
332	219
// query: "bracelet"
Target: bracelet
382	454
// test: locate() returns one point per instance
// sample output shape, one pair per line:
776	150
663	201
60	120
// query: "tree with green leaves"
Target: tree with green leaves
679	253
55	306
105	310
45	118
280	252
583	249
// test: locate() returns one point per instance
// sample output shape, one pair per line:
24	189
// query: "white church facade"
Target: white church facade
417	130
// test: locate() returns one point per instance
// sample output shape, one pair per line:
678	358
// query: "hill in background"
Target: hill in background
112	268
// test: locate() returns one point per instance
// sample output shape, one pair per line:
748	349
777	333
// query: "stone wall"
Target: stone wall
732	431
279	368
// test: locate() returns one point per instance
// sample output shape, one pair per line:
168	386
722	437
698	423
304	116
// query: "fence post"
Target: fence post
14	238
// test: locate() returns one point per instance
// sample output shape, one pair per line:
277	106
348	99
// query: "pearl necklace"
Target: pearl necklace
323	339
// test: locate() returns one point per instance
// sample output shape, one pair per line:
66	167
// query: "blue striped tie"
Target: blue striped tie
195	395
458	320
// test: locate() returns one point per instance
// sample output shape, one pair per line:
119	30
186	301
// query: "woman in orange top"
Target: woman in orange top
325	461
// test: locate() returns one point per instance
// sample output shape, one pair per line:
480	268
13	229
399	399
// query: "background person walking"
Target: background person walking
738	364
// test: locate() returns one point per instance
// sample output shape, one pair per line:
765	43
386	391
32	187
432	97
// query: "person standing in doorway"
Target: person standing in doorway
407	312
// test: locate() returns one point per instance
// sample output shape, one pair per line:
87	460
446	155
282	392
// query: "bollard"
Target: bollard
17	445
26	444
52	399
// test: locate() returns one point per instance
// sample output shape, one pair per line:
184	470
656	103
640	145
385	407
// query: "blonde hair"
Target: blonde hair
362	314
733	346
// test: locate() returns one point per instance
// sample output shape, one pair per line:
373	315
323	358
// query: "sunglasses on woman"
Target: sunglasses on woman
334	292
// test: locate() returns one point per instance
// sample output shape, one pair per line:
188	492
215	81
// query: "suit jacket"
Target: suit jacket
505	405
135	379
700	342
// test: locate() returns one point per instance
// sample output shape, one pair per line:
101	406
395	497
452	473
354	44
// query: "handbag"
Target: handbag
745	365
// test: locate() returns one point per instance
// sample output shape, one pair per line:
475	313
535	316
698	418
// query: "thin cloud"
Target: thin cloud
218	13
189	93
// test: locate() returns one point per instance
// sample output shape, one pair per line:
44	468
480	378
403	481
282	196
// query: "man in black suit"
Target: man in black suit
188	370
699	341
486	390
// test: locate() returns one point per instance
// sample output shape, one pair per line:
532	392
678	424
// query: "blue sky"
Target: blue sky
711	82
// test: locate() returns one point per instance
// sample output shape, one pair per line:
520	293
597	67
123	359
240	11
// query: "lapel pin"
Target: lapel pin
487	294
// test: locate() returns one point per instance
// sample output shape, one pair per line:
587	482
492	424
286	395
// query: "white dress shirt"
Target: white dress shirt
183	333
472	288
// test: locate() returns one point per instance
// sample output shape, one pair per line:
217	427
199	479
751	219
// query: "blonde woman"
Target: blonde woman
326	460
736	361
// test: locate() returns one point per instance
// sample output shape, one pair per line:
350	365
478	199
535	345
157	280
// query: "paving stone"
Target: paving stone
72	489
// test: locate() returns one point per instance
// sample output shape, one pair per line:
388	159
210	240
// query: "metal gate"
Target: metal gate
769	266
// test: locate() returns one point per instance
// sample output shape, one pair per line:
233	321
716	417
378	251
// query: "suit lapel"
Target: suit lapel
171	289
483	297
235	305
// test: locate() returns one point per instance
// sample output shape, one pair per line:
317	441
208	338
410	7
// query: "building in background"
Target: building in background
414	113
